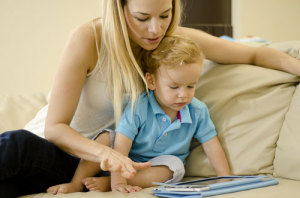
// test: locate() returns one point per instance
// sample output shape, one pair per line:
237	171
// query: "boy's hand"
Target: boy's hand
125	188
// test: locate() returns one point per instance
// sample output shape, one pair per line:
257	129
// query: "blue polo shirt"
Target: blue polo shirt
153	134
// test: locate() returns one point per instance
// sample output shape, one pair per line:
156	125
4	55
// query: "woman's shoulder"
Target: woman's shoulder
200	37
188	32
84	42
88	32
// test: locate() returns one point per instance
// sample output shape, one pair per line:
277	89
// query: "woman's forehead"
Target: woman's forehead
148	6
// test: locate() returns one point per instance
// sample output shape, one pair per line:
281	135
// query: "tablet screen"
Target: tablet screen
213	180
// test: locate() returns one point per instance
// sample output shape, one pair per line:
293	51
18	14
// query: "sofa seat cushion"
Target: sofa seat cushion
285	188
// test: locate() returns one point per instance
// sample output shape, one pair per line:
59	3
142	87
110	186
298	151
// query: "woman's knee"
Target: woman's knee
25	152
14	150
16	134
18	139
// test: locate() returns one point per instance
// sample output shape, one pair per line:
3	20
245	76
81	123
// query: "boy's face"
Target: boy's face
174	87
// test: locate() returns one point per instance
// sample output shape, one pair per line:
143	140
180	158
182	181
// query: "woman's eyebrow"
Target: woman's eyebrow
143	13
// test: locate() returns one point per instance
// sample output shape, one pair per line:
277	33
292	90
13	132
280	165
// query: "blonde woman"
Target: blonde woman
98	68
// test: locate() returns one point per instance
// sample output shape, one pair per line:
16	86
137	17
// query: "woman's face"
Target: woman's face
147	21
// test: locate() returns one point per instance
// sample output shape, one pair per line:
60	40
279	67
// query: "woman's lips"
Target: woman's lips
152	41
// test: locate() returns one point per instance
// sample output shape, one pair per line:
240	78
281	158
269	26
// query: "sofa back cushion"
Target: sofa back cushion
287	160
17	110
248	106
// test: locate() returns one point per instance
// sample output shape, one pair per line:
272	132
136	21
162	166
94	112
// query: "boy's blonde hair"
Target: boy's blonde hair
172	51
117	61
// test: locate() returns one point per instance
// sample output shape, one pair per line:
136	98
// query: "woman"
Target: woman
100	64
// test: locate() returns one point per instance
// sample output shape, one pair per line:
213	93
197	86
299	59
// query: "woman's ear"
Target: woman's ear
150	79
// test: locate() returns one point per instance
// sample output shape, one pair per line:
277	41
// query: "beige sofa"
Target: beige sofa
256	113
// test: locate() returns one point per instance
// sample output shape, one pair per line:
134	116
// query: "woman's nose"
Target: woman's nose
155	27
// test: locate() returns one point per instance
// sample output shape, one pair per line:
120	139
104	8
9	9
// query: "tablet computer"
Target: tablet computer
213	183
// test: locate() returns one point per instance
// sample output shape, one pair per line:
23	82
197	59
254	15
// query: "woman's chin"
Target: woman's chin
150	47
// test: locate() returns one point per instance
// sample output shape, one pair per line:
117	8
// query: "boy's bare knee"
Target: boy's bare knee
165	173
104	138
144	178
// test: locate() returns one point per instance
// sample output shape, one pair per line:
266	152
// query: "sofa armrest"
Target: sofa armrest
17	110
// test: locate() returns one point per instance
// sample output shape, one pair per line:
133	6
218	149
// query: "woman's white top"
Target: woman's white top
94	111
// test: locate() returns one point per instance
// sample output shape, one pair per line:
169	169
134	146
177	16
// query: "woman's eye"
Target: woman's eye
191	87
164	17
142	20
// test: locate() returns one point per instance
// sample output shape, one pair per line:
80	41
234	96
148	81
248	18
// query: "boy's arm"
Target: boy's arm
216	156
123	145
119	183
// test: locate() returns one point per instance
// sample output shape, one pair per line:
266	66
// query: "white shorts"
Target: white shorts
172	162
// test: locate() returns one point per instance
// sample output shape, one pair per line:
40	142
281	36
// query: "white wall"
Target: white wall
274	20
32	36
33	33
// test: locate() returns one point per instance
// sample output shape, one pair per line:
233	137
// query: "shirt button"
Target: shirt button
165	134
164	119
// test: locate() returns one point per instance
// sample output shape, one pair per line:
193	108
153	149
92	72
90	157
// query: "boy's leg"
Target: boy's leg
33	162
164	168
145	177
85	169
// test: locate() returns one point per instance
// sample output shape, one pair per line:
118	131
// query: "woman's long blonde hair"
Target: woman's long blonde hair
117	61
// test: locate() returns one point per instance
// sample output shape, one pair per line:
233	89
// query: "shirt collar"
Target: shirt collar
184	112
153	102
185	115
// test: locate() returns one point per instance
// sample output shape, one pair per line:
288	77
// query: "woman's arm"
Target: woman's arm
75	63
216	156
226	52
78	58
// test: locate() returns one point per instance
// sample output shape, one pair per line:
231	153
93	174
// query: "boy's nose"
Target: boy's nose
182	94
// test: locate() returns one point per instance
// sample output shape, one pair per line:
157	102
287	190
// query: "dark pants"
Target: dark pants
30	164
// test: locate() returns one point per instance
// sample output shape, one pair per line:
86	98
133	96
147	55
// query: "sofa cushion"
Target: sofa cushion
17	110
287	161
286	188
248	105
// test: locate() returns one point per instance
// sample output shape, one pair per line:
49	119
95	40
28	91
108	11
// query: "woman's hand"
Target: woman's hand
112	160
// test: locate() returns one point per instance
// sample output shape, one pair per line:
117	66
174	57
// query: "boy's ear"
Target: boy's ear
150	79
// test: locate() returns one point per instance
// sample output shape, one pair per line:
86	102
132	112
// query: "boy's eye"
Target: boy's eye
191	86
173	87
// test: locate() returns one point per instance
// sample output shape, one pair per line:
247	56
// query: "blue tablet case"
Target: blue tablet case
188	189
